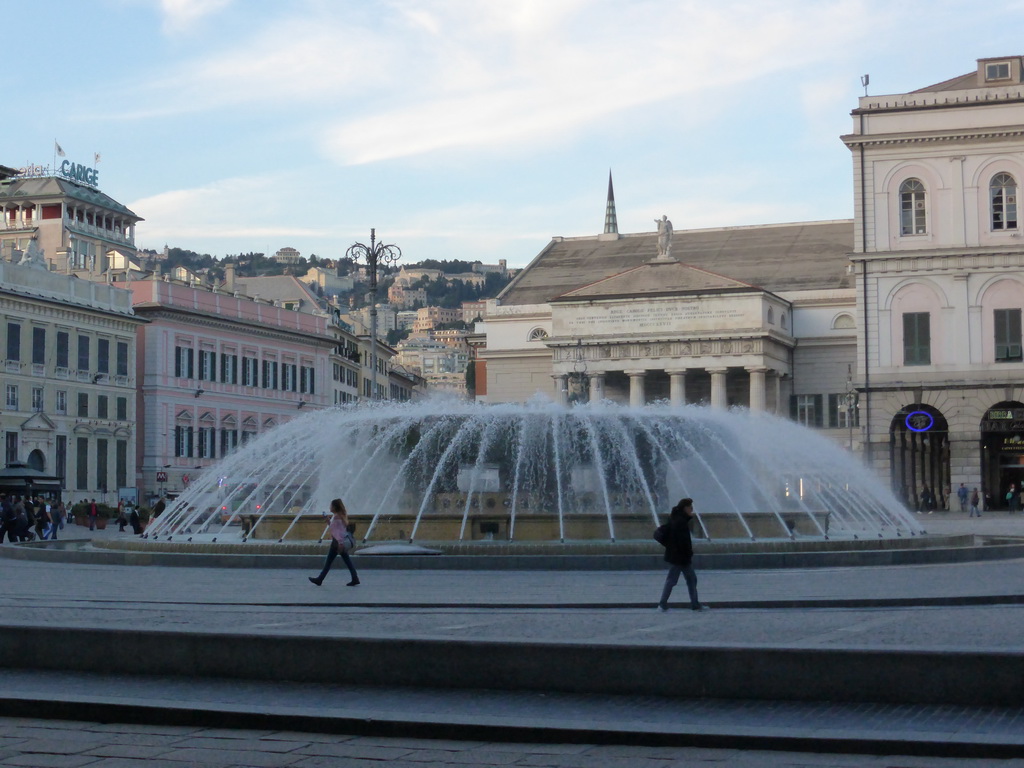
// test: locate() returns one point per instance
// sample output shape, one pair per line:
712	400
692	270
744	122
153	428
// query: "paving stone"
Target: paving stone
231	757
50	761
128	750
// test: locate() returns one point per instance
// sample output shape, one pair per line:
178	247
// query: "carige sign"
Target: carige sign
78	172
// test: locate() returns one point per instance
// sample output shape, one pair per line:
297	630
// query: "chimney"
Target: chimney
229	277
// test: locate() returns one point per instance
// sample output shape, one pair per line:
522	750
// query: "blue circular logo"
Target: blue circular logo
919	421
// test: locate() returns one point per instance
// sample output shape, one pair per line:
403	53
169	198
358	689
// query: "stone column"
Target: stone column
719	399
636	388
596	387
561	388
779	376
758	393
677	387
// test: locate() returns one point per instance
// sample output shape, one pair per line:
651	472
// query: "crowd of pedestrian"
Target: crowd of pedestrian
26	518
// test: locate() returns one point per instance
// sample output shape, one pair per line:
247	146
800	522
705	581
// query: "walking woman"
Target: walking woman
341	542
679	554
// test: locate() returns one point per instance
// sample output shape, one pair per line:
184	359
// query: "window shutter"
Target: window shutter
833	411
819	415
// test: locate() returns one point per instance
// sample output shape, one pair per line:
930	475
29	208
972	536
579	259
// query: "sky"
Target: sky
466	129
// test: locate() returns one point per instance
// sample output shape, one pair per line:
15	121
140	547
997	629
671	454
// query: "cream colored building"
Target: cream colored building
760	317
940	280
69	377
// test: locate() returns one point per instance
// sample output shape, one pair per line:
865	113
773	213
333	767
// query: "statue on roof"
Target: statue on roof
664	237
33	255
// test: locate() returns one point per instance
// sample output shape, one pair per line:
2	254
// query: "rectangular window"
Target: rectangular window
103	356
266	374
249	368
807	410
102	407
183	442
917	344
1008	335
83	405
228	368
63	349
60	463
38	346
121	463
83	353
274	381
37	399
122	358
842	413
122	409
207	440
82	464
207	365
997	71
11	447
228	441
12	397
14	341
62	401
101	465
184	362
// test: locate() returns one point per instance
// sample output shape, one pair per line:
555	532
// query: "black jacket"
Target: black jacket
679	547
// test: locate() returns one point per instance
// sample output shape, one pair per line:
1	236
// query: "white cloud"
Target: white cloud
436	74
238	208
180	15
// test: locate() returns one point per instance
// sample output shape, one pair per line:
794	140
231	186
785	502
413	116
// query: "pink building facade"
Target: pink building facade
214	371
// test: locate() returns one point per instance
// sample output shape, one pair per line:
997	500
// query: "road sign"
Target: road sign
161	477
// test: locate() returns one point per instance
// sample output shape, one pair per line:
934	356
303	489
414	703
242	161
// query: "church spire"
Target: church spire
611	224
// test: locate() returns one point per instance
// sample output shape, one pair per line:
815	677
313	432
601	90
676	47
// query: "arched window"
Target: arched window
1003	194
771	316
844	322
782	321
913	210
538	334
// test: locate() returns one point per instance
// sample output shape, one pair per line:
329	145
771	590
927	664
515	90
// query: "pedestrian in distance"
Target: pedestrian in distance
961	494
975	500
675	537
342	542
94	513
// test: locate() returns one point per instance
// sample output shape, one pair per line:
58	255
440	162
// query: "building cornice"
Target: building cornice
932	137
220	322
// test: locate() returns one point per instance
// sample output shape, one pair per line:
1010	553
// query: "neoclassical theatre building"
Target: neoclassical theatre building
897	332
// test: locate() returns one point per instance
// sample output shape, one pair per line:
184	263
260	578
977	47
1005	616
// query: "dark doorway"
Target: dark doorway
1002	452
919	457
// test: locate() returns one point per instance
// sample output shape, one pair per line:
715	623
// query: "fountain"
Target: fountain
447	471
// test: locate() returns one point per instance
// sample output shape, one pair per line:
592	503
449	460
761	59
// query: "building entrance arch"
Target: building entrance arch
1002	451
37	461
919	457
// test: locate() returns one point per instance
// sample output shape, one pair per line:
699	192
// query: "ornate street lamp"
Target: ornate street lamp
850	401
374	254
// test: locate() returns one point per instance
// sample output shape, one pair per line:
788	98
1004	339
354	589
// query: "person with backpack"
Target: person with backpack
342	542
675	537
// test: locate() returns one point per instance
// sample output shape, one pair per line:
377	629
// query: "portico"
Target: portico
668	331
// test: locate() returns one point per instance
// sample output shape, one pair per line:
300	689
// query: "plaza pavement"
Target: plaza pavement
102	642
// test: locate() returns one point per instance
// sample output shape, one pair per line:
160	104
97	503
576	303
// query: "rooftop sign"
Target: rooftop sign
66	170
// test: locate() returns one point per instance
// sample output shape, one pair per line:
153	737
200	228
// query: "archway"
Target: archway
919	455
1002	451
37	461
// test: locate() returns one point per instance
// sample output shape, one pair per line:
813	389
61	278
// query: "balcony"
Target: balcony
38	369
12	366
61	373
103	232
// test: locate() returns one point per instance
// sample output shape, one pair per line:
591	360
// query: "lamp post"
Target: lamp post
374	254
851	404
